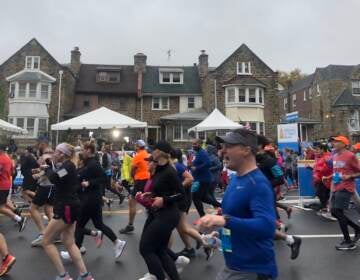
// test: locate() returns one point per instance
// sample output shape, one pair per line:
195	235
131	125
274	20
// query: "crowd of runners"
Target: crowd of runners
241	176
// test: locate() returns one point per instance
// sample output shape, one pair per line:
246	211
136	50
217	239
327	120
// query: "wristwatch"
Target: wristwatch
226	218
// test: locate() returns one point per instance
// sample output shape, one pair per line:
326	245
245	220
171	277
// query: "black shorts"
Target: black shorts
29	187
68	212
44	195
138	187
3	196
340	199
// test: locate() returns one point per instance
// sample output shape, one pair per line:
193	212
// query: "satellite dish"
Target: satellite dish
11	95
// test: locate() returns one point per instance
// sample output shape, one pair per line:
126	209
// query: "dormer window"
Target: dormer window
171	76
102	76
356	87
32	62
244	68
108	77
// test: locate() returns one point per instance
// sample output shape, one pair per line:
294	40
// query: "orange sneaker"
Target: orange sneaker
7	264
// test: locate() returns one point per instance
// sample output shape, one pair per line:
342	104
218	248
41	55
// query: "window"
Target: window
242	95
353	122
304	95
32	62
230	95
160	103
243	68
253	126
262	128
12	90
32	90
261	96
180	132
171	77
310	93
123	104
30	125
45	91
86	103
294	100
355	87
115	104
22	89
285	104
11	120
318	91
114	77
102	76
252	95
191	102
20	122
42	129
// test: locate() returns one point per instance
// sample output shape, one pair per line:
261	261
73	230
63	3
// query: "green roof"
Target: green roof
346	98
191	85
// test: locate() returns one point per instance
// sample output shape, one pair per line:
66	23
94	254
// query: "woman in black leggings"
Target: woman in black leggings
163	216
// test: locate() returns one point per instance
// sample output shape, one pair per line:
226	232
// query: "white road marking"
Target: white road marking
321	235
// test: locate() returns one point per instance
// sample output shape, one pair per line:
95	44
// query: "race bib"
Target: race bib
62	172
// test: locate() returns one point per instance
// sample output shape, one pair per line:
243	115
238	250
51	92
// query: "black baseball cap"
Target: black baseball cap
240	136
163	146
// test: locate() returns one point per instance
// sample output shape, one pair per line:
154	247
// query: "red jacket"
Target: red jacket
322	168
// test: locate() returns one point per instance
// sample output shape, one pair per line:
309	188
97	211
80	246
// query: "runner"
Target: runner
140	174
200	168
345	169
163	216
44	196
91	178
66	211
28	163
248	221
6	207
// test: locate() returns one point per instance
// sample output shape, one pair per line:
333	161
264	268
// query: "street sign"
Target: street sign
292	117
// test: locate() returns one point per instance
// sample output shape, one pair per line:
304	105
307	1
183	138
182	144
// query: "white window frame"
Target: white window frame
260	95
38	125
193	102
25	92
24	121
33	128
36	91
48	93
12	94
242	70
355	85
181	132
171	77
256	96
238	95
285	103
304	95
227	95
32	62
294	100
318	91
161	103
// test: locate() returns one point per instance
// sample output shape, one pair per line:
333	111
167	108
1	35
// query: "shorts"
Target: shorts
29	187
3	196
185	203
44	195
138	187
340	199
68	212
229	274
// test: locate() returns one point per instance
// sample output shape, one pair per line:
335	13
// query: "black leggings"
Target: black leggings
154	243
344	222
323	193
91	210
203	195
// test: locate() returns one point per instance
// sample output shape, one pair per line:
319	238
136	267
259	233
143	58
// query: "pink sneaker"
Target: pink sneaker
99	238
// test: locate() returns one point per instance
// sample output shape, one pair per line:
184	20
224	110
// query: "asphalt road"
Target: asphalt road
318	258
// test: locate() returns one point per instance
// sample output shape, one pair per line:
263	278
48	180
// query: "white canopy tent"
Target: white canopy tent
8	127
103	118
215	121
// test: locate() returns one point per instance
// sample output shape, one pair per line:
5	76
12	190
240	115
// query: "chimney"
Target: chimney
203	64
75	60
140	62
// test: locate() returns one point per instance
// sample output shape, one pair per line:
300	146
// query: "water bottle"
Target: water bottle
337	177
211	241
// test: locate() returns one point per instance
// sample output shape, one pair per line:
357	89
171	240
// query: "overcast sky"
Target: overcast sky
283	33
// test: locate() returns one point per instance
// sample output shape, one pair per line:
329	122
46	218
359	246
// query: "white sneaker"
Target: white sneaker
82	250
328	216
65	255
181	262
37	241
119	248
148	276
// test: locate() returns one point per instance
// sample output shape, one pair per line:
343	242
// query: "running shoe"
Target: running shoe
37	241
328	216
121	198
22	224
87	277
119	248
99	238
127	229
346	246
196	222
295	247
189	253
7	264
66	277
148	276
66	256
181	262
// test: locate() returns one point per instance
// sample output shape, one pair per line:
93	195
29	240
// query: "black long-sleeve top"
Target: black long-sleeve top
27	164
166	184
65	180
95	175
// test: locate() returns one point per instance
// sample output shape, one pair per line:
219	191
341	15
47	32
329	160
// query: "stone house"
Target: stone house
332	101
31	80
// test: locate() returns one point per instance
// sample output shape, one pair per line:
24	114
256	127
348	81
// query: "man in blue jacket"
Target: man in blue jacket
247	225
201	172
